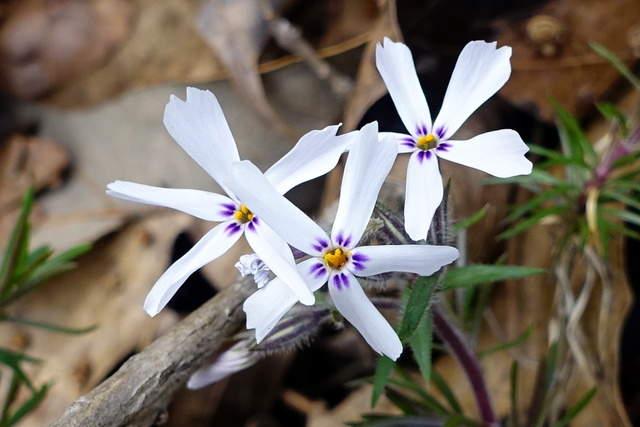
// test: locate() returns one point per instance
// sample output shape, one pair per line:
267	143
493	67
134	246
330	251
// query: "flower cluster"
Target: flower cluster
256	207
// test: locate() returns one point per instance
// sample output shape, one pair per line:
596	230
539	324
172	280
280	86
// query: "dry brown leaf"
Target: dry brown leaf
107	290
369	85
350	409
164	46
552	57
26	161
236	31
45	44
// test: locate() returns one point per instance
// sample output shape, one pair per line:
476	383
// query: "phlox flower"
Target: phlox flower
481	70
251	264
337	259
200	128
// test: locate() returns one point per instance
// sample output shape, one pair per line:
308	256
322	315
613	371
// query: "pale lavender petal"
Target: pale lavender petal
499	153
314	155
266	307
423	193
367	167
276	254
293	225
480	72
215	243
398	71
236	358
419	259
354	305
201	204
199	126
252	264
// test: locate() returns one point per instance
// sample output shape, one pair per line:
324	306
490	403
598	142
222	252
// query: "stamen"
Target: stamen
336	258
243	214
427	142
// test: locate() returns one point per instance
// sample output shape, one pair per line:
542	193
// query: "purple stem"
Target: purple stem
455	341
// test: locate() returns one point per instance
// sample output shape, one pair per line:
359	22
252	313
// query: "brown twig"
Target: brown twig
139	392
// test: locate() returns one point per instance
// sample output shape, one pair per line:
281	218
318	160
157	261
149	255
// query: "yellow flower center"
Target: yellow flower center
336	258
243	214
427	142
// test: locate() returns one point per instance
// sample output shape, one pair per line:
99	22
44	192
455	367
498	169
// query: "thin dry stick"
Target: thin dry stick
139	392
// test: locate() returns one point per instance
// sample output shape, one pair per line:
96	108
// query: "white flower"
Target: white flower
200	128
252	264
338	259
238	357
480	72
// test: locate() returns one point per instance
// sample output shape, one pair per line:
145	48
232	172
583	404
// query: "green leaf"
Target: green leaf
420	342
48	326
513	381
417	305
408	383
536	202
613	115
472	220
507	345
574	141
446	391
380	378
533	220
472	275
461	420
12	360
28	406
17	247
617	63
575	409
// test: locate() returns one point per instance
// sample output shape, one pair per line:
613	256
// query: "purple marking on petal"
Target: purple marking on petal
443	147
320	245
251	226
232	228
409	144
340	238
428	154
347	241
441	131
359	257
318	270
229	206
226	213
425	131
357	266
340	280
255	220
408	139
421	155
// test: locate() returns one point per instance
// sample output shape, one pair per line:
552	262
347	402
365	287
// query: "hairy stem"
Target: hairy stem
455	341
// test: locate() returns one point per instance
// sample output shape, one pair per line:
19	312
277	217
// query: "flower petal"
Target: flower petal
276	254
293	225
419	259
395	64
481	70
265	307
353	304
367	167
314	155
423	193
201	204
215	243
236	358
199	126
406	143
499	153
